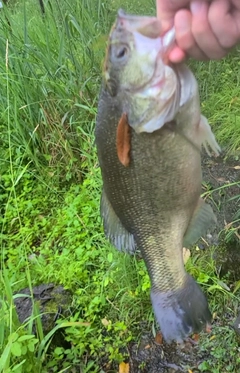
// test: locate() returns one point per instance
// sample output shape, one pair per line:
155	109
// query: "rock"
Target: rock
227	260
53	302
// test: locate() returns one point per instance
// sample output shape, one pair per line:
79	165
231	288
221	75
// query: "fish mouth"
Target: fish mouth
154	88
147	26
156	82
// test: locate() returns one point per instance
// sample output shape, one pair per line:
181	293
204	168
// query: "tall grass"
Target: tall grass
52	65
219	83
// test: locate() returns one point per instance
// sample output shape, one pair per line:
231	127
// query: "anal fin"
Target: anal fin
114	229
203	217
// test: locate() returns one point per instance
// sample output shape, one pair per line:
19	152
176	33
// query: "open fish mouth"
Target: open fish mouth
151	87
154	84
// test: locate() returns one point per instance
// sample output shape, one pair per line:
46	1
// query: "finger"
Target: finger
225	22
184	36
202	32
166	10
166	15
177	55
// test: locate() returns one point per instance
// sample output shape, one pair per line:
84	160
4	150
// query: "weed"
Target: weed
219	91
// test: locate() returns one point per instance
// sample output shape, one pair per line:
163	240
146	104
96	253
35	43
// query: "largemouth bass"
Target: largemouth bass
149	135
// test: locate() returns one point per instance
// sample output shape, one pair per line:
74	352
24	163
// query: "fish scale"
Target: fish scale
152	201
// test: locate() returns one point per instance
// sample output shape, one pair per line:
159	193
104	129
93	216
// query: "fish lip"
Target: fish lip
158	83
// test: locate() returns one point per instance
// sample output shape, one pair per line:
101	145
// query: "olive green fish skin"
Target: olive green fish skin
154	198
154	203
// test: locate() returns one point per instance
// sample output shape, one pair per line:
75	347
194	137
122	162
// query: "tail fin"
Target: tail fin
181	313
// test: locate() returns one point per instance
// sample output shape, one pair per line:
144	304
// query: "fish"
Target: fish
149	134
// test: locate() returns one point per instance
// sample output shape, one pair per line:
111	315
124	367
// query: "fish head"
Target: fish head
136	65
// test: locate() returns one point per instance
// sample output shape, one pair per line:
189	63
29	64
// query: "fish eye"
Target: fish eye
119	53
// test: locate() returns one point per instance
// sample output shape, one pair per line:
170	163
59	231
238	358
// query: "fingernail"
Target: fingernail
196	6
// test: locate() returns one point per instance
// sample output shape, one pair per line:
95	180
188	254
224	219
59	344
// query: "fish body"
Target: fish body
149	134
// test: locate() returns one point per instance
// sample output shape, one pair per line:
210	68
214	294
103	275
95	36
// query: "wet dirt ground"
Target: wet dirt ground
221	188
149	356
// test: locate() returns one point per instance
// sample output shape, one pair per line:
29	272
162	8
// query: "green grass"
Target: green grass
219	83
50	184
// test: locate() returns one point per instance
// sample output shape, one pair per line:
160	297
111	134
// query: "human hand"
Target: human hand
204	29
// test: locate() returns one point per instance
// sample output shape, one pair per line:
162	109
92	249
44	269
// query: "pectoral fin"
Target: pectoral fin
123	140
203	217
113	228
